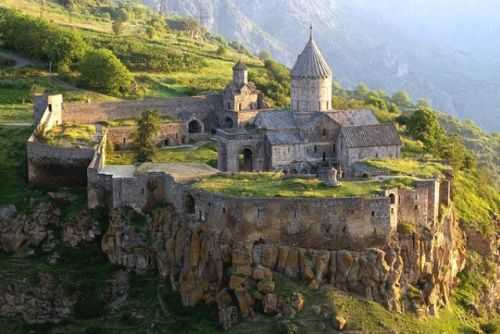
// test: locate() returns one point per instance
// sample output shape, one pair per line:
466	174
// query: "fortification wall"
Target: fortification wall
87	113
52	165
334	223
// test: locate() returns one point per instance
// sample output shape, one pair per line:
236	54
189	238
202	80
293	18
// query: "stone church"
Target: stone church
310	136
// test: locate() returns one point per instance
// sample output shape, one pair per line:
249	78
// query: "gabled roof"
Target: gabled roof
354	117
275	120
310	63
370	135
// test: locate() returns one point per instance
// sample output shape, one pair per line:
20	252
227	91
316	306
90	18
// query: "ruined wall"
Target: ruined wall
170	134
52	165
47	110
419	206
203	107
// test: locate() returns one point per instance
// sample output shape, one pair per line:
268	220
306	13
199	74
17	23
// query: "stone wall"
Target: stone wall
47	111
230	146
203	107
170	134
348	156
52	165
326	223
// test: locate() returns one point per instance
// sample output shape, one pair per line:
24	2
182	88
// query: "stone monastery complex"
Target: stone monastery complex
309	141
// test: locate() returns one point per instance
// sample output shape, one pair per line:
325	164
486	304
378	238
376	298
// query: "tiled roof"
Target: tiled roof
371	135
275	120
355	117
311	64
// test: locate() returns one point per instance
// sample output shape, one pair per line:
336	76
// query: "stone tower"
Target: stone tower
240	75
311	80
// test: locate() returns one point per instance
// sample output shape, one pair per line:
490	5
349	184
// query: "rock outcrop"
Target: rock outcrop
44	302
28	231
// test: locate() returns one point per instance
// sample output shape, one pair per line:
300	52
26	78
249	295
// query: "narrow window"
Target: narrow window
324	156
373	213
124	140
50	107
315	149
240	107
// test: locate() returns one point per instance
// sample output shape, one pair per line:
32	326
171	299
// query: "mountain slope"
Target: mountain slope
428	49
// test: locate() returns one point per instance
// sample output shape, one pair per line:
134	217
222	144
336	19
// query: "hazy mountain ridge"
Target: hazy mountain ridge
430	50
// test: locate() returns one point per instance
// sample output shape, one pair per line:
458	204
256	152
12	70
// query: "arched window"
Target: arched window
324	132
315	149
324	156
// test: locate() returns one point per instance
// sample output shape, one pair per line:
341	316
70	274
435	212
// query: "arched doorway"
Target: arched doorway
194	126
392	198
246	160
189	204
228	122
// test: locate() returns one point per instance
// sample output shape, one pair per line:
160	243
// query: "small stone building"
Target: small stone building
312	134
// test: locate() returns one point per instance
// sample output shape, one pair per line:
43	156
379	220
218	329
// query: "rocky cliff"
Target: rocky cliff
416	272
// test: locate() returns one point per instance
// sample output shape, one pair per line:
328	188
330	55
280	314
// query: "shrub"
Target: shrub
101	70
39	39
490	328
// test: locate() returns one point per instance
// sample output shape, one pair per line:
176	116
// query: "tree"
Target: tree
265	55
362	91
221	51
150	32
148	127
103	71
424	126
401	99
453	151
117	27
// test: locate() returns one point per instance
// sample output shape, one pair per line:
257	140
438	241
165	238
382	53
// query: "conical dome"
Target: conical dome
311	64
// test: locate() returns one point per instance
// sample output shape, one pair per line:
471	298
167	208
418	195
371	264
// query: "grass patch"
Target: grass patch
133	122
205	154
16	112
267	185
424	169
71	135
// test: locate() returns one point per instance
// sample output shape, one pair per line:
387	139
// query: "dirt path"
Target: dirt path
16	124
